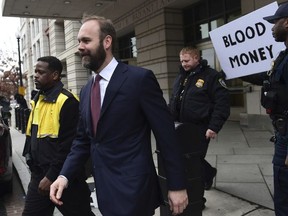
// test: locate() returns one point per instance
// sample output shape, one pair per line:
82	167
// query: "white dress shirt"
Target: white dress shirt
106	75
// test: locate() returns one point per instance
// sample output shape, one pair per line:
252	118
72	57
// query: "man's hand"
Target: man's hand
44	186
178	201
56	190
210	134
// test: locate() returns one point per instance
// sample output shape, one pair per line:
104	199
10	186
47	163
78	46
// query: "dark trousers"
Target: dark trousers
280	190
207	169
280	174
76	200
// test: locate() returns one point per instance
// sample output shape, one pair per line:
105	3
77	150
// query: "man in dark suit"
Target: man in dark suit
131	105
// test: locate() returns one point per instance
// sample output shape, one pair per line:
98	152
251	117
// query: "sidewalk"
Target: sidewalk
244	181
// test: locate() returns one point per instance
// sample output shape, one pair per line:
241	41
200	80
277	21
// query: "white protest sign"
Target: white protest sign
246	46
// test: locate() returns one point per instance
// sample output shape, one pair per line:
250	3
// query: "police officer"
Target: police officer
200	96
274	99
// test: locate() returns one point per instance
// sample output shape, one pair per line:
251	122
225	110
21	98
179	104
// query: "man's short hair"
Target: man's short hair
54	64
190	50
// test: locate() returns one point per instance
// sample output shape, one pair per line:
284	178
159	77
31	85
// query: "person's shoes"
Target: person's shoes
209	183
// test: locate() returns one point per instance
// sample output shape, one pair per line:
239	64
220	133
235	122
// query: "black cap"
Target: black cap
281	12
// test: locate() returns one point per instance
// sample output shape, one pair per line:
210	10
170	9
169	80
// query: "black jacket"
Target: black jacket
205	98
48	154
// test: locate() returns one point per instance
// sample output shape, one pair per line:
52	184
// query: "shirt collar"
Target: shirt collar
107	72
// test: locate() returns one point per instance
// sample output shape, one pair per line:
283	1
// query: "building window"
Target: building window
209	55
127	46
32	29
38	47
37	26
200	18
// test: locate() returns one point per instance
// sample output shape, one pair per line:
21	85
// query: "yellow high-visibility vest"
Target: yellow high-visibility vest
46	115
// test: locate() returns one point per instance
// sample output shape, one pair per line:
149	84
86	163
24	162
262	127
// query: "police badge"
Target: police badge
199	83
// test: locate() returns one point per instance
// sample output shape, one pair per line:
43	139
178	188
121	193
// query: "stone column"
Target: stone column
159	40
77	75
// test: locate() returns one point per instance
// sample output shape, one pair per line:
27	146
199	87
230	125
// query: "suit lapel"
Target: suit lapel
116	81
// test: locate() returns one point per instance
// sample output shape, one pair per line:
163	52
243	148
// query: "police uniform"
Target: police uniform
274	99
201	97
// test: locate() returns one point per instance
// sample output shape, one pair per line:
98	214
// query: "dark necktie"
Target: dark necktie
95	102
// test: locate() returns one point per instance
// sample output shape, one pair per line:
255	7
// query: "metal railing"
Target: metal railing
21	118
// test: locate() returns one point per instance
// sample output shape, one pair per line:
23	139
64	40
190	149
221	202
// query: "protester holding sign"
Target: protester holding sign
200	97
274	99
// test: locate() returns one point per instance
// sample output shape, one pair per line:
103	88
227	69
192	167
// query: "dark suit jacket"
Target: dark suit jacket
123	169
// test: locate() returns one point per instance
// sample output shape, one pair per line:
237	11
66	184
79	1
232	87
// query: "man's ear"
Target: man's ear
56	75
107	42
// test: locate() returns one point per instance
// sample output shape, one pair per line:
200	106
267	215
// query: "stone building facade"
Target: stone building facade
150	34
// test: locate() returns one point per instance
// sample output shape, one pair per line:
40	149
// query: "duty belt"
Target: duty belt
280	125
